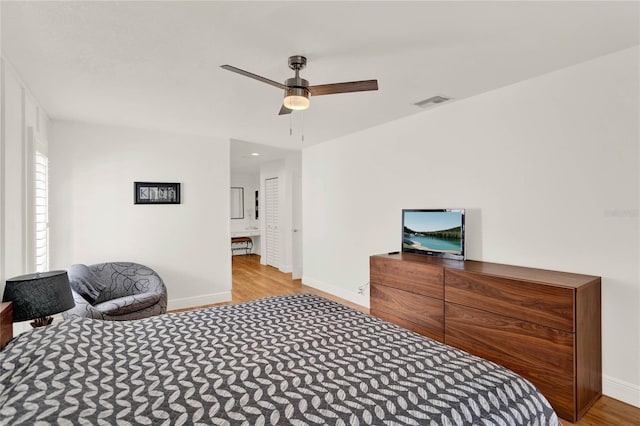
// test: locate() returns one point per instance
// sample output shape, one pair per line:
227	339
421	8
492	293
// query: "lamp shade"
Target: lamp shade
297	98
38	295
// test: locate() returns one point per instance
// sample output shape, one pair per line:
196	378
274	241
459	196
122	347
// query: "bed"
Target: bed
298	359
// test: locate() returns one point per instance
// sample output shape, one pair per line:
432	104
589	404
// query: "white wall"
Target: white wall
20	114
93	218
548	170
250	183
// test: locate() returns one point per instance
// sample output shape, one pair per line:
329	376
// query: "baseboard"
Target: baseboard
621	390
205	299
287	269
350	295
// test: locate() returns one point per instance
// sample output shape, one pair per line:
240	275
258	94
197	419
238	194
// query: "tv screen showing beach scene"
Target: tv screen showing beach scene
434	232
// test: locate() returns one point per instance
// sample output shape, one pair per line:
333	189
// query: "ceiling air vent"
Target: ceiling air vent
432	101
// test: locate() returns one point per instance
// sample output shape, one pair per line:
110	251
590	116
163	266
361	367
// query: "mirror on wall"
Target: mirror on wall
237	203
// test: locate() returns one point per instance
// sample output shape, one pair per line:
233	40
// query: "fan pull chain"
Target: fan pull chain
290	125
302	128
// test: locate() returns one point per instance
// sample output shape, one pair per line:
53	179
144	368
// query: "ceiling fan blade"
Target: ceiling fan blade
254	76
352	86
284	110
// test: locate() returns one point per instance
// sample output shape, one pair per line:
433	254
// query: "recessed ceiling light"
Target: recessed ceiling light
255	154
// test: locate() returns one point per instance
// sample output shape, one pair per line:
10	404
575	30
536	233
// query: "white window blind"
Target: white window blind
41	203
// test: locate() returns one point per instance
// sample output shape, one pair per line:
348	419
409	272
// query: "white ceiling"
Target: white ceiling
243	159
156	64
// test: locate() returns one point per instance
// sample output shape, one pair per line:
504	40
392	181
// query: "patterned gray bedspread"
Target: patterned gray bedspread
297	359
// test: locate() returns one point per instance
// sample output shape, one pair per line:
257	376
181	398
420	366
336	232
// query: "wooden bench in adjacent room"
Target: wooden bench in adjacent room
241	243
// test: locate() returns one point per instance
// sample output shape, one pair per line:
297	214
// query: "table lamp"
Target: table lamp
38	296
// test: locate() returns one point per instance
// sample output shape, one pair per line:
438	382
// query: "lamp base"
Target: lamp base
41	322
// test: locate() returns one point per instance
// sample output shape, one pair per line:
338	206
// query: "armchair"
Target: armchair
116	291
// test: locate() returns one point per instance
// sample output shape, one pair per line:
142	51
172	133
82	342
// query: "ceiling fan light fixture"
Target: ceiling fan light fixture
297	98
297	90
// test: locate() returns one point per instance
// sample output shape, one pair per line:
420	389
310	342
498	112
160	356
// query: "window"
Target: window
41	210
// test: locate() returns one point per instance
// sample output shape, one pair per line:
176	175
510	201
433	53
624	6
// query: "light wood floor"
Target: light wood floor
254	281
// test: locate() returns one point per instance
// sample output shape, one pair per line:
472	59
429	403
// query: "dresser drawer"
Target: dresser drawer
6	323
412	277
418	313
547	305
541	354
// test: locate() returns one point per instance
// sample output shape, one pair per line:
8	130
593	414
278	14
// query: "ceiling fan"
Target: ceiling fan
297	90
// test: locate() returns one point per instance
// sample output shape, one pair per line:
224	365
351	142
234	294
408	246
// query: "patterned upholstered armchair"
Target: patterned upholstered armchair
116	291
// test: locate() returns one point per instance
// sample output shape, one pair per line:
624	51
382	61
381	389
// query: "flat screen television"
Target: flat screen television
438	232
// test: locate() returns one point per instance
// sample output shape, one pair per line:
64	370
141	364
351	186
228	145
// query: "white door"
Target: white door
272	217
296	240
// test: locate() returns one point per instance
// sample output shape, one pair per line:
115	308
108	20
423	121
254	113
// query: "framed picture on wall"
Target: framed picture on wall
156	193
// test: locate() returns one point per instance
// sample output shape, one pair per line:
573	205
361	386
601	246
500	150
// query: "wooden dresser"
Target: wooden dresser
544	325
